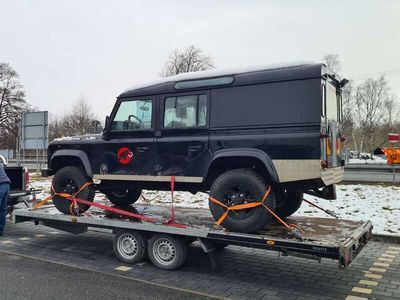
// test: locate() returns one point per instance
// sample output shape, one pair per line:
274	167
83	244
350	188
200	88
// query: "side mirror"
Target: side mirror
106	131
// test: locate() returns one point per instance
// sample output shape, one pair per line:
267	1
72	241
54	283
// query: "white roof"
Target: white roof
217	73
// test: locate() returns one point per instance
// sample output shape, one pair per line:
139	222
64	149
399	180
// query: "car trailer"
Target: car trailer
167	245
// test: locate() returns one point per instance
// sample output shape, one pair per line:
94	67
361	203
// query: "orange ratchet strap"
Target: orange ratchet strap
297	231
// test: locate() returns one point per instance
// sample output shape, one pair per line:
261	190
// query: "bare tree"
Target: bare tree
81	116
370	98
190	59
333	62
12	104
347	108
78	121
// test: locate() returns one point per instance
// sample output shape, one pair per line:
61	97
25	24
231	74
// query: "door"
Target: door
130	149
182	142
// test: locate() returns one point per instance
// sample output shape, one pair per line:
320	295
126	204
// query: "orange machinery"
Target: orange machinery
393	155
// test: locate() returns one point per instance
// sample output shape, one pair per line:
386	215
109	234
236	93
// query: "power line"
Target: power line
393	72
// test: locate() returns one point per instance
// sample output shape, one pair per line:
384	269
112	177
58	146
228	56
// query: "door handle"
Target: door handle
194	148
142	149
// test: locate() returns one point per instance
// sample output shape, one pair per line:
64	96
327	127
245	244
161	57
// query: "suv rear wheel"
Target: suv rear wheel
123	196
69	180
239	187
287	202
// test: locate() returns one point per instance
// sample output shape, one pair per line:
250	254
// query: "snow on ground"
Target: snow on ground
376	160
380	204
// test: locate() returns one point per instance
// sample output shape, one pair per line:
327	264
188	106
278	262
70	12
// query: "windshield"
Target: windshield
331	102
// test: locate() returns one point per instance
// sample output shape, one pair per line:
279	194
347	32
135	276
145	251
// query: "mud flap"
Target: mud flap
209	248
327	192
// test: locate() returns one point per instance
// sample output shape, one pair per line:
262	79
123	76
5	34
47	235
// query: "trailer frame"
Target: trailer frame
342	246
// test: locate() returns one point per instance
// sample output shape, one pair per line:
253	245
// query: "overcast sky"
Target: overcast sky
64	49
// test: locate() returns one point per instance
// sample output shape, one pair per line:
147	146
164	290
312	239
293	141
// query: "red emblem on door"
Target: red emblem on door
124	155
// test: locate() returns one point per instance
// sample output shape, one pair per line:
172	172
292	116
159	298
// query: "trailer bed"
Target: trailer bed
323	237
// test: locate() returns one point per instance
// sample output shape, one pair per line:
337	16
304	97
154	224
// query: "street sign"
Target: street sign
394	137
34	130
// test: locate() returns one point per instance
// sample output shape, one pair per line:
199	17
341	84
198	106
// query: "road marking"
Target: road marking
355	298
388	255
385	259
375	276
379	264
368	282
361	290
24	238
40	235
7	242
123	268
54	232
394	248
116	274
377	270
392	252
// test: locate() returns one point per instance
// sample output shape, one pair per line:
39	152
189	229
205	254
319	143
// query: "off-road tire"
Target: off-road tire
287	202
179	249
129	198
75	177
247	182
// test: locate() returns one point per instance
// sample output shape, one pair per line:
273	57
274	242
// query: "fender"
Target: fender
82	156
246	152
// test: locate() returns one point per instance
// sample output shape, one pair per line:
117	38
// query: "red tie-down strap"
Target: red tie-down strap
74	201
171	221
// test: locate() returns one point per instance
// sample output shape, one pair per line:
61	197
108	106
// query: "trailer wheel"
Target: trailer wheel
287	202
236	187
130	246
167	252
70	180
123	196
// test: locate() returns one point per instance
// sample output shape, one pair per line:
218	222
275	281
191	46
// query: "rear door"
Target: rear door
130	149
182	143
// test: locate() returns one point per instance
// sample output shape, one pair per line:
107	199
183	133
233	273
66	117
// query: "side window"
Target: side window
133	115
185	111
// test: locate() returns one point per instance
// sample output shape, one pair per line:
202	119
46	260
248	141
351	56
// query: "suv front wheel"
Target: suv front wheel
69	180
236	187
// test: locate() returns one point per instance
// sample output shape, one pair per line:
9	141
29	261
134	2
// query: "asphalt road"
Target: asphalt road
29	278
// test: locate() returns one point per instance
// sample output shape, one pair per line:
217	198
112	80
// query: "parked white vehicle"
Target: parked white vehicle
3	160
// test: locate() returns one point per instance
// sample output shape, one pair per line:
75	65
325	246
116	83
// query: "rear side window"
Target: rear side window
185	111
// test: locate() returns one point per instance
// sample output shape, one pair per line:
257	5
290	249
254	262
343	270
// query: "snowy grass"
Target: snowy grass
378	203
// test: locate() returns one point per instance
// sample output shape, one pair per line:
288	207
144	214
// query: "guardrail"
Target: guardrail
379	170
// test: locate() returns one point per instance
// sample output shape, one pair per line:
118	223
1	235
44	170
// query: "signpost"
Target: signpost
34	134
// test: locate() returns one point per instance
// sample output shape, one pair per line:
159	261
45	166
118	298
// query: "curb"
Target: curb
389	238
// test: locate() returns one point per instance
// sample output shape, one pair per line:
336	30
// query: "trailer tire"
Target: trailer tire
130	246
70	180
287	202
237	187
167	252
123	197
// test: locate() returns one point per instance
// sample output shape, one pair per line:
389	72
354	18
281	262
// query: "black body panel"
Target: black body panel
262	118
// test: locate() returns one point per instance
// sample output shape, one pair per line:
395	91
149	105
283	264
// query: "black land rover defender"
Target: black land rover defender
231	133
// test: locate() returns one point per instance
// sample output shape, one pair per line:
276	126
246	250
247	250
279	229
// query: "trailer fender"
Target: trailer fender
245	152
78	154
